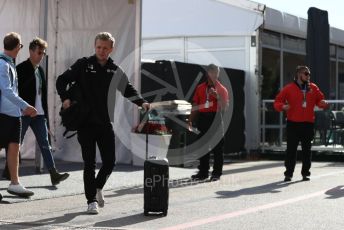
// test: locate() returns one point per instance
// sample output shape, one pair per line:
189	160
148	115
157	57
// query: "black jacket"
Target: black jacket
27	84
98	87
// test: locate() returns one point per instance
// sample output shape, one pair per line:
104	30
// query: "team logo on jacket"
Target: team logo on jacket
90	68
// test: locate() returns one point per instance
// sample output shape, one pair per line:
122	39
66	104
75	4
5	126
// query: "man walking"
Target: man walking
33	89
11	109
94	75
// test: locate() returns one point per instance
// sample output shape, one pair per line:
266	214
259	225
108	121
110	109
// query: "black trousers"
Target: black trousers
207	124
89	136
299	132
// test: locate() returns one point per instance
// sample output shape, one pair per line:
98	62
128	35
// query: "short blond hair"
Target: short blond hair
105	36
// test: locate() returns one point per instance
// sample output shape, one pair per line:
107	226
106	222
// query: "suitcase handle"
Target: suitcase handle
146	116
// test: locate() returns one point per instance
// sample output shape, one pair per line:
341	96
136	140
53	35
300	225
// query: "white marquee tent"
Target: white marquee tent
70	28
223	32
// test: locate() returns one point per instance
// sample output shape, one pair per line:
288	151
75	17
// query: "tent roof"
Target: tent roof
170	18
200	17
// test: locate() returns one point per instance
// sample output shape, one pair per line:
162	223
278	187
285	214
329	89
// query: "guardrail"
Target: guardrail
279	122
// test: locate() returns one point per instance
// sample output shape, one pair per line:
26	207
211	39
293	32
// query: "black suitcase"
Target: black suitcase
156	191
155	184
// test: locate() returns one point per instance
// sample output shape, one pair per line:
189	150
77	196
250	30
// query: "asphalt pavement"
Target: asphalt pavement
250	195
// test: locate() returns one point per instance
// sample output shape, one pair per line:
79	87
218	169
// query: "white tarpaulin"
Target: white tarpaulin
223	32
200	18
70	28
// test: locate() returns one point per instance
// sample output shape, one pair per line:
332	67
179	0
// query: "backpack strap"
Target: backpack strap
69	136
11	73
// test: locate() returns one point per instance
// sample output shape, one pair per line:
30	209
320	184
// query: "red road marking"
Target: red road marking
244	211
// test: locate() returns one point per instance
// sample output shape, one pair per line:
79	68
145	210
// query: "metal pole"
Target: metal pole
281	86
263	125
43	27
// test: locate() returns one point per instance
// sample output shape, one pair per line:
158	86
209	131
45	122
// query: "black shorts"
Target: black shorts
10	128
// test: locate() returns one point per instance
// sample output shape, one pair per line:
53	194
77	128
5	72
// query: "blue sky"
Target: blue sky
299	8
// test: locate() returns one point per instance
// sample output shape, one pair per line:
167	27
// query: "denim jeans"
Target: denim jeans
38	125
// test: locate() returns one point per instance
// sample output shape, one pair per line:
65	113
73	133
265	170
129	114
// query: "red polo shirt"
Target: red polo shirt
201	95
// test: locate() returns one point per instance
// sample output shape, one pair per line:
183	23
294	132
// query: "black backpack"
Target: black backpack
74	116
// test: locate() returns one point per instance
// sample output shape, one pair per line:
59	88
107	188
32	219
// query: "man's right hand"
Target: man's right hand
66	103
190	126
30	111
286	107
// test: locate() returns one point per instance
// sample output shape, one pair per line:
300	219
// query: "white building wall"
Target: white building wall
163	49
226	51
252	94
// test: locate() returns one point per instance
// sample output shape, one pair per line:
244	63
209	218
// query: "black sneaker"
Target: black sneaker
57	177
199	176
287	178
214	178
306	178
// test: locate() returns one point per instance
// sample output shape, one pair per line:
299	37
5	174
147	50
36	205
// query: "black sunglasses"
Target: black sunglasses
41	53
307	73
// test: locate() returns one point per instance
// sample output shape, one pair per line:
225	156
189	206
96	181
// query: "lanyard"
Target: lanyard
304	103
206	94
304	94
207	104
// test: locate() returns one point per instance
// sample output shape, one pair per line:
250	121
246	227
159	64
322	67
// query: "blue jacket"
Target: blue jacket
10	103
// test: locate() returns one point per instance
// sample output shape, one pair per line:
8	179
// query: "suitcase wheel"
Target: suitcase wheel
164	213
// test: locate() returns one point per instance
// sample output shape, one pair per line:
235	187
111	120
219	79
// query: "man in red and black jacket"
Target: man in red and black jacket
209	101
298	100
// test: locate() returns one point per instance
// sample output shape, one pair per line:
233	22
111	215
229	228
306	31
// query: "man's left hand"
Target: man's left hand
212	91
145	106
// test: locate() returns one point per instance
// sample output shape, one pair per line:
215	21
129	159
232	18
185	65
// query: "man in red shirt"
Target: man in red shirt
298	100
209	102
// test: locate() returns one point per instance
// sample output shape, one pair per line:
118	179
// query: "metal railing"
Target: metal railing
267	106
